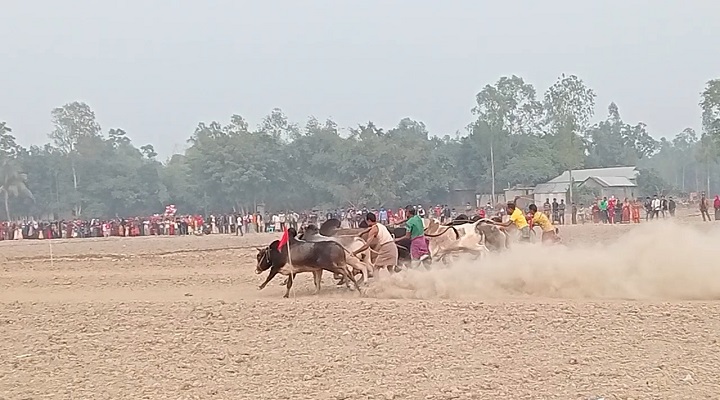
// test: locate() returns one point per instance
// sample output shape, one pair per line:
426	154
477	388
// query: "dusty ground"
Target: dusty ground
181	318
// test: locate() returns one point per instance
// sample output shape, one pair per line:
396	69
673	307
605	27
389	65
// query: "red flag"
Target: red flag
283	240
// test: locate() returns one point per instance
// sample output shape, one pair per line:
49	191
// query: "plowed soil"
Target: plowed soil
616	312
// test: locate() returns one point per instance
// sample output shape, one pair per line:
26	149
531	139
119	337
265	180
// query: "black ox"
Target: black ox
305	257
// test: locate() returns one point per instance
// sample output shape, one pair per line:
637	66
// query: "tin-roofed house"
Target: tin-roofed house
620	182
609	186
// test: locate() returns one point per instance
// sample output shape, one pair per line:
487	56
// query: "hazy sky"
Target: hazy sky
156	68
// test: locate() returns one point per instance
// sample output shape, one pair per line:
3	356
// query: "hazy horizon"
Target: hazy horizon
157	69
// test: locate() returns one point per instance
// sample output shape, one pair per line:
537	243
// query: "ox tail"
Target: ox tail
457	235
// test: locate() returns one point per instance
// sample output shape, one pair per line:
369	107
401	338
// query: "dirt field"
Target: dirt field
618	312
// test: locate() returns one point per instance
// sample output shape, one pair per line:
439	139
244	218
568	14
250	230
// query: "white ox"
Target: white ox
463	238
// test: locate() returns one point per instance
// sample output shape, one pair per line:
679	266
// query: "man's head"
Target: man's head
533	208
510	206
410	211
371	219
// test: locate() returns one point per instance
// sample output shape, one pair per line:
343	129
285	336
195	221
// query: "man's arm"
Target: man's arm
406	236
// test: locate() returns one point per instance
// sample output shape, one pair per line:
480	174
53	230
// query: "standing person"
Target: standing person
574	215
555	207
547	208
636	208
401	214
656	207
416	233
240	224
518	218
561	212
611	210
421	210
671	206
595	212
626	212
383	216
663	206
648	208
704	207
716	206
604	210
549	234
446	214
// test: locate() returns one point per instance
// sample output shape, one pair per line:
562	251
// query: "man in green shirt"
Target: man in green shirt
415	231
603	206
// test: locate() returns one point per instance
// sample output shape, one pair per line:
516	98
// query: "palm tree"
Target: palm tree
12	184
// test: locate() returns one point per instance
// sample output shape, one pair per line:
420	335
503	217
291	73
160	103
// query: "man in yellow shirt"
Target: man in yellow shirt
549	232
518	218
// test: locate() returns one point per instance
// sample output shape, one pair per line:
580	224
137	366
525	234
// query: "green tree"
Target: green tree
684	144
613	143
507	108
12	184
706	154
650	183
73	122
569	106
234	168
710	105
8	147
277	125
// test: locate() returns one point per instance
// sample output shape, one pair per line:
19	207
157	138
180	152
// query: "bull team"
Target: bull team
343	251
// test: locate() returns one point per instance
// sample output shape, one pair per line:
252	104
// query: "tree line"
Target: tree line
516	137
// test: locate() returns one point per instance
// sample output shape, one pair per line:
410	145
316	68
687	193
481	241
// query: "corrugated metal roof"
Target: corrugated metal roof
551	188
580	175
613	181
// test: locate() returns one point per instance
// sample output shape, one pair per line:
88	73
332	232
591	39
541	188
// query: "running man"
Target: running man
415	231
381	242
549	234
518	218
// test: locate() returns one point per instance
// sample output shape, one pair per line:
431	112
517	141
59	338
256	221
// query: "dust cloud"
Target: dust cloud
659	261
